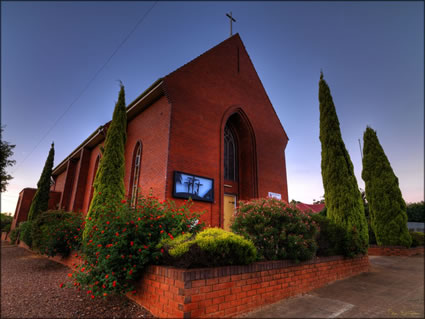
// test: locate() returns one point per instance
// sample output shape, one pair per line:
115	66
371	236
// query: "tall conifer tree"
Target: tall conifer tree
387	208
40	202
342	196
109	181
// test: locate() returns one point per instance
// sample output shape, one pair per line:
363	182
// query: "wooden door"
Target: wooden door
229	208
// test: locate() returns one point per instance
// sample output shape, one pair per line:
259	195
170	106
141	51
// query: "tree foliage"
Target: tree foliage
416	212
40	202
387	208
6	221
343	200
109	181
6	151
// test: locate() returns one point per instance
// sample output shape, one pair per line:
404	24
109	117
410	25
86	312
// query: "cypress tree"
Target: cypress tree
342	196
109	181
40	202
387	208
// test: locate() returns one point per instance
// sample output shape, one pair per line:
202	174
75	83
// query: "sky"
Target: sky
61	63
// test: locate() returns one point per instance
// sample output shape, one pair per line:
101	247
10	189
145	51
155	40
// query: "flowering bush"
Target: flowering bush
278	230
57	232
211	247
123	240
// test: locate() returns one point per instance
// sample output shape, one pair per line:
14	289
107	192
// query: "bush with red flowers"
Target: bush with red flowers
277	229
57	232
122	242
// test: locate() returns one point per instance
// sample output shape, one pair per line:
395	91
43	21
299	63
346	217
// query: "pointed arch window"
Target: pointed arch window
230	155
135	173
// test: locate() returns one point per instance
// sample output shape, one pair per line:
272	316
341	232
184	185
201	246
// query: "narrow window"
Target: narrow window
230	161
134	181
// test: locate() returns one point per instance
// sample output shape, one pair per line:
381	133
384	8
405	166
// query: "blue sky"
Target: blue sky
371	53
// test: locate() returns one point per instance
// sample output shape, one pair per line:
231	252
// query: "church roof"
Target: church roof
142	102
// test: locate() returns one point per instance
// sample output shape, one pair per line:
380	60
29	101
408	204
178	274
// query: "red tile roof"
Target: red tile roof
315	208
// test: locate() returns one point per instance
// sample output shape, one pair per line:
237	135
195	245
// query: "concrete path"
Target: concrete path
394	288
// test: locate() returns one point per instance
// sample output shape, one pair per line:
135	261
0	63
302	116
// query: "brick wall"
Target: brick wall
375	250
229	291
24	203
209	90
151	128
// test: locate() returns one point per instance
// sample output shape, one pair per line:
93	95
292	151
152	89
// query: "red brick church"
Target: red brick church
206	131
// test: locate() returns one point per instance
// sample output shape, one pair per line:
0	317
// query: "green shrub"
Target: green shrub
417	239
25	232
416	212
277	229
123	240
211	247
333	239
14	235
57	232
6	222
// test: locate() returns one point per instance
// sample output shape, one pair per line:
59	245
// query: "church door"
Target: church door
229	208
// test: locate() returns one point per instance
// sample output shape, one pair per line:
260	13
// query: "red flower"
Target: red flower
107	222
92	297
116	234
131	243
69	275
105	294
106	276
114	283
61	285
123	201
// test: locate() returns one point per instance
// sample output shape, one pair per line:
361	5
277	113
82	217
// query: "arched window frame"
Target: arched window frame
136	164
230	154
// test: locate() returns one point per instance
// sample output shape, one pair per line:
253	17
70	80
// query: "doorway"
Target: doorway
229	209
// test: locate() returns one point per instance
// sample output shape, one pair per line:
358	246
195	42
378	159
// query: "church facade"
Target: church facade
206	131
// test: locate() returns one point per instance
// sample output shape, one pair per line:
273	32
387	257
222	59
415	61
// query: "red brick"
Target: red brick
211	309
205	289
218	300
223	286
198	283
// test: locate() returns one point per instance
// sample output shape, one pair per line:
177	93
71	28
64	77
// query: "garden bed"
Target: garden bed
375	250
232	290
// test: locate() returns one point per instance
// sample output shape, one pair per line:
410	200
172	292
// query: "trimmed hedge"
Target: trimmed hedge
210	248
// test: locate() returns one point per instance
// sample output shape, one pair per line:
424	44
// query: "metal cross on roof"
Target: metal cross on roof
231	20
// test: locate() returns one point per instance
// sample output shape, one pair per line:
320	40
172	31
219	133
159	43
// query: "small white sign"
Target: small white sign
275	195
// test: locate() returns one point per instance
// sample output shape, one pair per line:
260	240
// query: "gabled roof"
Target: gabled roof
142	102
315	208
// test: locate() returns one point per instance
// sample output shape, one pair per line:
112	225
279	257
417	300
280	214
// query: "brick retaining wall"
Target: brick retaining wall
232	290
375	250
229	291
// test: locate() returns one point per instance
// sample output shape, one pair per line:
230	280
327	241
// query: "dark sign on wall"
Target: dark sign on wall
193	186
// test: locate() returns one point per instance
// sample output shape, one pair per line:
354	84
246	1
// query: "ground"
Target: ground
393	288
30	289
